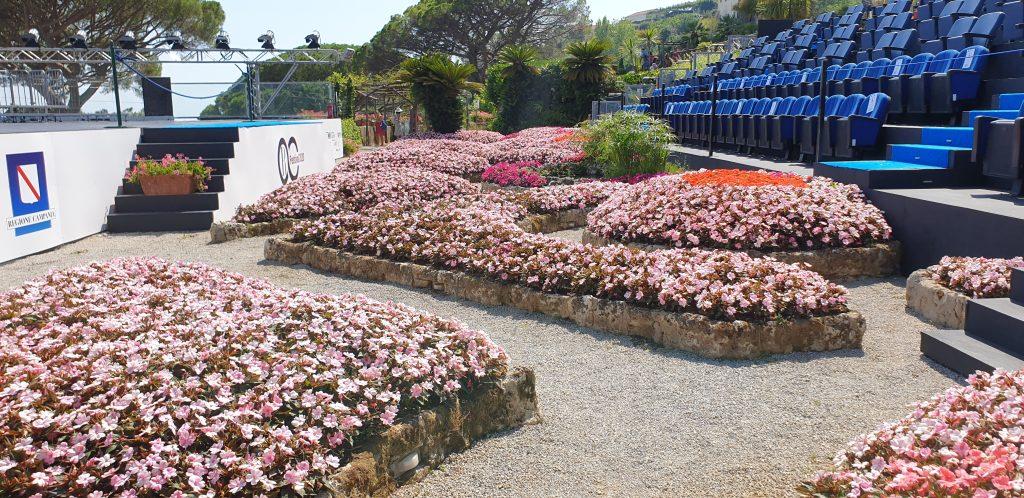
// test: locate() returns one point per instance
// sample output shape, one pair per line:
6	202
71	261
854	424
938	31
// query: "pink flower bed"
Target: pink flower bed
965	442
421	154
480	236
670	211
635	178
142	376
341	190
976	277
542	145
522	174
479	136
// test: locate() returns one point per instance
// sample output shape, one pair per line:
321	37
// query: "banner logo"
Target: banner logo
30	196
289	159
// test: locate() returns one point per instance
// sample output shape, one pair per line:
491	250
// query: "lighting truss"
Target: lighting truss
23	58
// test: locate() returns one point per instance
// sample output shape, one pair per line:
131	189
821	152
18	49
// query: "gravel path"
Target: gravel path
623	417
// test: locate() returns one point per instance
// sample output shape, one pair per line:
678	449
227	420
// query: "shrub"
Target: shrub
351	135
158	378
671	211
480	236
964	442
976	277
522	174
170	165
627	143
518	68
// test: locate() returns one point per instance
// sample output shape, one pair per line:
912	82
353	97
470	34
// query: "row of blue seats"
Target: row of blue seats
787	124
641	108
925	83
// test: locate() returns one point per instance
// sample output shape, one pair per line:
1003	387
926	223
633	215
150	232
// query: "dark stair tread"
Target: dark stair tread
214	185
998	321
964	354
159	221
189	135
141	203
1017	286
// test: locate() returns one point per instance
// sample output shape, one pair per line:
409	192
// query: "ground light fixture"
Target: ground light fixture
78	40
267	39
222	41
313	40
127	41
30	39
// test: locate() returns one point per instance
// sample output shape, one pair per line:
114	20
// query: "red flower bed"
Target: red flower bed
521	174
741	178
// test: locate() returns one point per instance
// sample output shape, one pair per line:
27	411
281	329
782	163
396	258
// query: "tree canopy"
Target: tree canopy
474	31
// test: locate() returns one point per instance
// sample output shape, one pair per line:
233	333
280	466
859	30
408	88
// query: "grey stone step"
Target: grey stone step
964	354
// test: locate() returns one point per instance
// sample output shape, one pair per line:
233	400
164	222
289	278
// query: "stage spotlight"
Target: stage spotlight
127	42
267	39
30	39
348	54
223	41
175	41
313	40
77	40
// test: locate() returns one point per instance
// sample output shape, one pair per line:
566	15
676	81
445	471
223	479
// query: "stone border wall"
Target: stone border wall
223	231
881	259
412	448
937	304
687	331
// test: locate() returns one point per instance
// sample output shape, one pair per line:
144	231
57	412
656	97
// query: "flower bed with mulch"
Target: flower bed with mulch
148	376
964	442
717	303
940	292
794	219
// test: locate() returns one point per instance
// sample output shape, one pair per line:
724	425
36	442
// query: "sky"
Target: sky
338	21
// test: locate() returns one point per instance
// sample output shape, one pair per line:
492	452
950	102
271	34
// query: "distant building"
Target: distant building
727	7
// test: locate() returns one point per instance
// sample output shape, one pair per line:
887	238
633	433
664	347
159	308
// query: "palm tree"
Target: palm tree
436	82
647	35
587	61
521	60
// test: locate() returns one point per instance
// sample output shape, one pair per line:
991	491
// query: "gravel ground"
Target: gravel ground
621	416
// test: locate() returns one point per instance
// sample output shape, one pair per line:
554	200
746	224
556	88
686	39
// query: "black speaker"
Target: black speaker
157	100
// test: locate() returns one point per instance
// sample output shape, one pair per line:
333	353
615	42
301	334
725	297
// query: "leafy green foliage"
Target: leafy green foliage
517	71
436	82
589	74
352	137
627	143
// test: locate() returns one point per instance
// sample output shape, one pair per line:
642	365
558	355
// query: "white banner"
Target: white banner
58	186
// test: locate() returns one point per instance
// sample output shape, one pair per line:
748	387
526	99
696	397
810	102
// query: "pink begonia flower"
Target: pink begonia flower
143	355
976	277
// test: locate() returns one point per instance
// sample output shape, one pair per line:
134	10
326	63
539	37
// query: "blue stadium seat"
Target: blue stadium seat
968	8
1013	25
960	82
870	82
837	83
856	74
809	125
765	124
809	83
983	32
919	85
785	129
752	135
862	129
929	28
896	87
733	123
960	28
744	130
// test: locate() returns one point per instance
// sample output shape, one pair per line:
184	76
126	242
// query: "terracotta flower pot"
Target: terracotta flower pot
167	184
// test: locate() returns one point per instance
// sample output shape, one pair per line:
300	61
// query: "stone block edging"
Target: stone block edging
881	259
413	447
223	231
937	304
687	331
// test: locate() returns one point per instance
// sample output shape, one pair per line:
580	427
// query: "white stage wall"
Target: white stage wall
58	186
267	157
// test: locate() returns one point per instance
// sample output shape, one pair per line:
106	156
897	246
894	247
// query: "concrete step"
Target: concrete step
998	321
189	134
193	150
953	136
141	203
940	156
159	222
964	354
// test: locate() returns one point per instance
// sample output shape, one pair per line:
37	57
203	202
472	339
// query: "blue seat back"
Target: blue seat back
760	106
942	61
918	64
811	107
784	106
875	106
844	71
961	26
859	70
811	75
773	106
987	25
830	72
971	59
877	68
746	105
902	21
950	8
850	105
832	104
